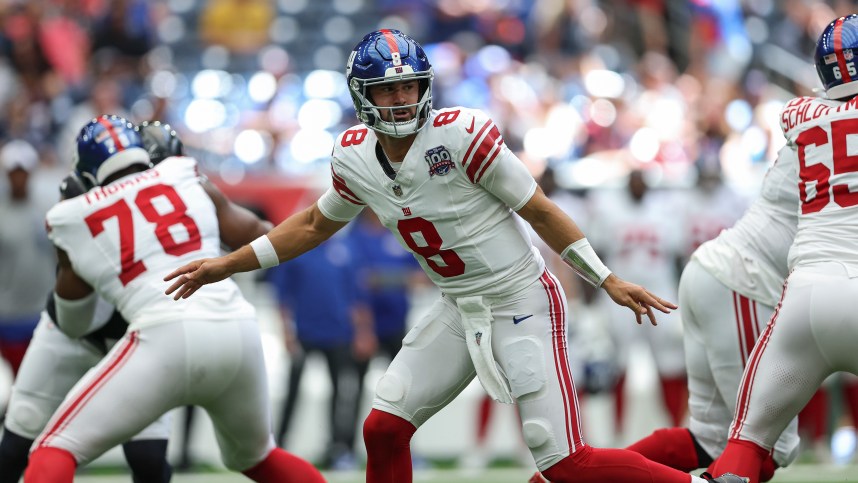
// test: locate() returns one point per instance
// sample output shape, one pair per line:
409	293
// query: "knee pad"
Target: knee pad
27	416
524	366
391	388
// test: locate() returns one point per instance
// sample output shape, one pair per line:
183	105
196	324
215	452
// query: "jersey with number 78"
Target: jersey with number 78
124	237
450	203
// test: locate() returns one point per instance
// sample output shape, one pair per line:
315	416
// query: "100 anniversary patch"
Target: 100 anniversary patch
439	160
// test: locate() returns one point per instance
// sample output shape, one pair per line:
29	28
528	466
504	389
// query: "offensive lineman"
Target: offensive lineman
118	237
727	293
813	332
55	361
445	184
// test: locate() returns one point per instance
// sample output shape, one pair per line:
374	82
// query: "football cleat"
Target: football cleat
160	140
725	478
107	145
387	56
835	59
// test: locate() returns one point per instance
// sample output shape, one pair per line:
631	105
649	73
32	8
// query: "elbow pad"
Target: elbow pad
75	317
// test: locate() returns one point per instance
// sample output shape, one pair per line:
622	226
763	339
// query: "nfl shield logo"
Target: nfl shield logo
397	190
478	337
847	54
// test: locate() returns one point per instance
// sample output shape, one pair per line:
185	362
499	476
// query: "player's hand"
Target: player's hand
196	274
637	298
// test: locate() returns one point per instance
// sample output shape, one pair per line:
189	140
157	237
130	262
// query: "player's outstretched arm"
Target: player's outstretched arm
297	234
561	233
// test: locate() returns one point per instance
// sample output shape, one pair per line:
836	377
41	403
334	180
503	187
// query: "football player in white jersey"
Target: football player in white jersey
813	331
446	185
119	237
54	362
727	293
640	238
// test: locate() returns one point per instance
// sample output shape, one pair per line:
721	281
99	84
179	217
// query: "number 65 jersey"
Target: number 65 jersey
124	237
449	203
824	135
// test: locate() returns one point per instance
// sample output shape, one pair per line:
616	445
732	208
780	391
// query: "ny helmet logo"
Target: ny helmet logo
439	160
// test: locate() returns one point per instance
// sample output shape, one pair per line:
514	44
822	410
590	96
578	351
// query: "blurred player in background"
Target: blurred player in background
446	185
641	240
118	237
813	331
727	294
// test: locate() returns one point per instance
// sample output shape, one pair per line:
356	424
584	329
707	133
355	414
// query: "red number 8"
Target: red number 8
453	265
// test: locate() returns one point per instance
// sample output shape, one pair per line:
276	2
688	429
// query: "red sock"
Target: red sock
767	471
283	467
598	465
813	419
742	458
674	390
388	448
850	392
673	447
50	465
484	413
619	404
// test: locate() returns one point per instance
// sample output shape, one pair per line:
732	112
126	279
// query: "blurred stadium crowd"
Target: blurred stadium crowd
682	91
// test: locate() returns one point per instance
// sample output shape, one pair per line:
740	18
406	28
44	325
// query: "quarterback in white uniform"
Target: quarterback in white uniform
813	332
726	296
446	185
120	237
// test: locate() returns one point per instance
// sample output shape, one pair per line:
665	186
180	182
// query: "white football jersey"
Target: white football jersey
751	257
123	238
824	135
706	214
638	240
449	204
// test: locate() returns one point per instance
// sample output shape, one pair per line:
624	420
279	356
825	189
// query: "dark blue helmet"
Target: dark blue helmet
106	145
160	140
835	59
387	56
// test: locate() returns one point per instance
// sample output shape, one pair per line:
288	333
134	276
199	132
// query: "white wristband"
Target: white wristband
584	261
265	252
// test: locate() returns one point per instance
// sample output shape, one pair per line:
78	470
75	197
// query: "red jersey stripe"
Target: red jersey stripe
475	141
74	407
483	151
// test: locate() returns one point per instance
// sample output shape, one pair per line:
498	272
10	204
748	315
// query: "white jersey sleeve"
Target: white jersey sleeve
450	203
751	257
339	203
123	238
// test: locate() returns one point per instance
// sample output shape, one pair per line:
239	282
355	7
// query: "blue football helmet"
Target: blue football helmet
105	145
160	140
835	57
387	56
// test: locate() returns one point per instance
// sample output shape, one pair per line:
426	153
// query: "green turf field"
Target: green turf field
797	474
